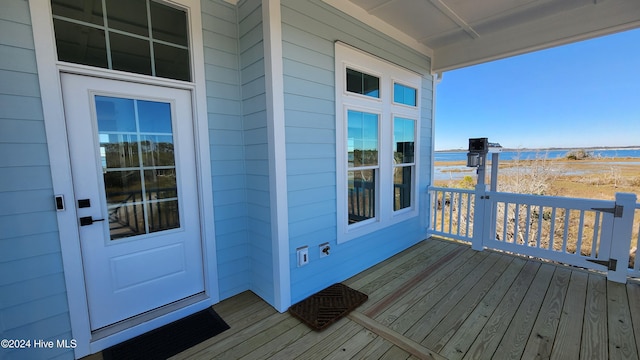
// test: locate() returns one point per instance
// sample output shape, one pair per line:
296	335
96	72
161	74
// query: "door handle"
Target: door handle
88	220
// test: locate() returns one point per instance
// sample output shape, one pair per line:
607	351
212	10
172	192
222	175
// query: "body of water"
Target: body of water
533	154
457	172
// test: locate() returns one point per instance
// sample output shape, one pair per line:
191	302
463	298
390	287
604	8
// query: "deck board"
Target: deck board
517	334
440	299
567	338
594	330
622	344
444	316
633	295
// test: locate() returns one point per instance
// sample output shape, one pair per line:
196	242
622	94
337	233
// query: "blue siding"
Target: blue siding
224	104
256	148
234	66
310	29
33	300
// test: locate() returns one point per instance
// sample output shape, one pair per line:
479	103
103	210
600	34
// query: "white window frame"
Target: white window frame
352	58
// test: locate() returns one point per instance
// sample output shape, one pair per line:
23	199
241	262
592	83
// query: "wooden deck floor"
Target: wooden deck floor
441	299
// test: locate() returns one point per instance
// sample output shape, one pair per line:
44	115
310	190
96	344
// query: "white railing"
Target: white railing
568	230
452	213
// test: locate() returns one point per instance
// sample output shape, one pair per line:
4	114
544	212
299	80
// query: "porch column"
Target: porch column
481	217
274	83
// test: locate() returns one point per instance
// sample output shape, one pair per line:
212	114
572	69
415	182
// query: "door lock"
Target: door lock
88	220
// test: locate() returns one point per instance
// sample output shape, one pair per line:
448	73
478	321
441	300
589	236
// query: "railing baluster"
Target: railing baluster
442	206
458	209
527	226
504	221
565	235
469	219
540	226
552	231
596	235
580	232
516	222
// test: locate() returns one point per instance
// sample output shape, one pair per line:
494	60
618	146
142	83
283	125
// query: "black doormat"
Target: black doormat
170	339
327	306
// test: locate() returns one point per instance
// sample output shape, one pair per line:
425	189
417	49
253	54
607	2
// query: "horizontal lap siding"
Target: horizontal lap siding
309	30
33	300
252	67
226	134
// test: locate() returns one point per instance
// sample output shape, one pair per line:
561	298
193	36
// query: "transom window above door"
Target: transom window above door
138	36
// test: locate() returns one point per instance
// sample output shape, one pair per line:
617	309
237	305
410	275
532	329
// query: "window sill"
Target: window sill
367	227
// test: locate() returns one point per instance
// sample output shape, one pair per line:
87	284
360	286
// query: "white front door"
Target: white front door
134	174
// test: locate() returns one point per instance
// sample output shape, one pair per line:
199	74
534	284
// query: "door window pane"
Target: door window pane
140	179
163	215
122	187
364	84
157	150
361	195
115	114
155	117
119	151
160	184
362	138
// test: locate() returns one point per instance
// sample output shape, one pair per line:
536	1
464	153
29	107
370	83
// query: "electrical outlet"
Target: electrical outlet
303	256
324	250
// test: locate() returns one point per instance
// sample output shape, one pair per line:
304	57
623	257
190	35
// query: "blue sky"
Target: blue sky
578	95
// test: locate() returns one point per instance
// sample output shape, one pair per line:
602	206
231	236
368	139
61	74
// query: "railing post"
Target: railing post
479	217
621	237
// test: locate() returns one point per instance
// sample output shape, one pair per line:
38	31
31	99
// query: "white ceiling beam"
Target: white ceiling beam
447	11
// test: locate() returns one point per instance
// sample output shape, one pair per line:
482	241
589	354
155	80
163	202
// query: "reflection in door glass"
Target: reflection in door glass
138	163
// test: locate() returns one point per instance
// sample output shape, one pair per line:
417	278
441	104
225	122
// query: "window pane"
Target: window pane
126	219
115	114
154	116
84	10
169	24
362	195
171	62
130	54
362	138
160	184
122	186
80	44
163	215
404	95
139	167
361	83
129	16
157	150
119	151
402	187
403	140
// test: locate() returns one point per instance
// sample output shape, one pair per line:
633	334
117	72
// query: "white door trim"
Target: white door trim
51	94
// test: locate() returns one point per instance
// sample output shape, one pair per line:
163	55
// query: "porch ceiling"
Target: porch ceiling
460	33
